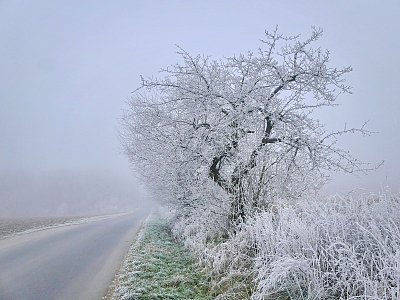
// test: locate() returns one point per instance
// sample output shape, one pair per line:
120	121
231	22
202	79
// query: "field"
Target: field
11	226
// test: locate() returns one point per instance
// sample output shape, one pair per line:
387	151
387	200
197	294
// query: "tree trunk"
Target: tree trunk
237	210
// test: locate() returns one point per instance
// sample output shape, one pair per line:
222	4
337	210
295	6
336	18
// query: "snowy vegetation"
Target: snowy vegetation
338	248
318	248
234	148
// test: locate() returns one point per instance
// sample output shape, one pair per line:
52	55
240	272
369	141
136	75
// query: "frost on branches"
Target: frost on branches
234	147
243	124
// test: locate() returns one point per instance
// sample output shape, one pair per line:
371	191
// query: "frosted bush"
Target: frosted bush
333	248
337	248
228	256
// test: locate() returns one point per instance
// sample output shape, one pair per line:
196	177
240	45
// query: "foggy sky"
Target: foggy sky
68	66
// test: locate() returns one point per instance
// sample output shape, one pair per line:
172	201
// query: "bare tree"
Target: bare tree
245	123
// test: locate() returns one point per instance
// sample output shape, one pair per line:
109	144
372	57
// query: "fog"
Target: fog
68	193
68	66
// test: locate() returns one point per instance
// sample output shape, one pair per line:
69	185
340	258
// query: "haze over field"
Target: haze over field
68	193
67	68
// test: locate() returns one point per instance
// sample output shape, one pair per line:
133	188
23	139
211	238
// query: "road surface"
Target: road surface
70	262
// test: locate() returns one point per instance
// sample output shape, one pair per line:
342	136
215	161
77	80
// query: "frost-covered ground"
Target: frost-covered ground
157	267
13	226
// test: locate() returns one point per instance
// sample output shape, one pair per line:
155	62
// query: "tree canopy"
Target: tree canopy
243	127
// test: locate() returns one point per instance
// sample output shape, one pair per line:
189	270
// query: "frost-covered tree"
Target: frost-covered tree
245	124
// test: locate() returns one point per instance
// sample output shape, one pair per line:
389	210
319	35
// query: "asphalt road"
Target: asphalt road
71	262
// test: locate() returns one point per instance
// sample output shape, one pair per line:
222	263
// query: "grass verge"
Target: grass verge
157	267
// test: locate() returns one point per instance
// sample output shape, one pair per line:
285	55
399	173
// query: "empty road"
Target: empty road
70	262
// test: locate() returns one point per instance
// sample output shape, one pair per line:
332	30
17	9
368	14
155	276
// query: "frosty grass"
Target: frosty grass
157	267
